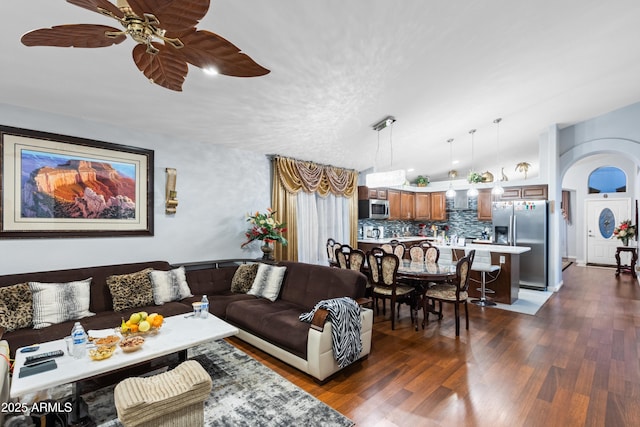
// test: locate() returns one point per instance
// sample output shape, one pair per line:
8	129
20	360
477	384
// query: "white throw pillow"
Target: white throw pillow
169	285
267	282
58	302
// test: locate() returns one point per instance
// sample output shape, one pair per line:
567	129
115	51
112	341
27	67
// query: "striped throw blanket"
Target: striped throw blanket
344	315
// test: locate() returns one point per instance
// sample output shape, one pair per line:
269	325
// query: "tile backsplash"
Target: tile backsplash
461	222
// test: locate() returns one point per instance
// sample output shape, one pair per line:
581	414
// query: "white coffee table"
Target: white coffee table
178	333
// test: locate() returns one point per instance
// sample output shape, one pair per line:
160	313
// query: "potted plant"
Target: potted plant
474	178
422	181
625	231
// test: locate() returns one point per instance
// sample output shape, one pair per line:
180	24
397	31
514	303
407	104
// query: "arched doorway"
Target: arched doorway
575	167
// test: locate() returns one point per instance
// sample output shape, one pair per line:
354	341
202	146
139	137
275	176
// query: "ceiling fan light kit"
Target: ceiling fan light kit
167	38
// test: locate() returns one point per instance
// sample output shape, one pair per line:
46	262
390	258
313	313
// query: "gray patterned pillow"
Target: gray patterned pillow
169	285
58	302
243	278
16	307
267	282
131	290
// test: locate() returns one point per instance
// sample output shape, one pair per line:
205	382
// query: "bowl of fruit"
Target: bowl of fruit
130	344
141	323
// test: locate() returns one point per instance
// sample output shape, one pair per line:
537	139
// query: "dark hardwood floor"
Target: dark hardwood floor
575	363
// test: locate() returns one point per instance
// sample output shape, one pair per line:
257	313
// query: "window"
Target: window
607	179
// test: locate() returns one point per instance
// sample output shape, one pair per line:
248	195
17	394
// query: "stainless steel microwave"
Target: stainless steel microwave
373	209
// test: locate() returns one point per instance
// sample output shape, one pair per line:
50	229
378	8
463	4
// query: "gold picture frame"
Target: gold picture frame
62	186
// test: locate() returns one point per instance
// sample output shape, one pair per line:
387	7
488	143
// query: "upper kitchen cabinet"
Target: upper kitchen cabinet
366	193
438	206
407	205
484	205
395	211
402	204
529	192
423	206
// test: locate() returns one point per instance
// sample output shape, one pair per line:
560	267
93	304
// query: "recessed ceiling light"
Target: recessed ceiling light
210	71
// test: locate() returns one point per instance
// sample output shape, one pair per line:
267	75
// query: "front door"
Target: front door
603	215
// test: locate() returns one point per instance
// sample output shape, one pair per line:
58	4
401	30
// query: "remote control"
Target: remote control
30	360
42	366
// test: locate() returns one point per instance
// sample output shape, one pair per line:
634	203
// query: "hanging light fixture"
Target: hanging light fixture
497	190
451	193
473	191
389	178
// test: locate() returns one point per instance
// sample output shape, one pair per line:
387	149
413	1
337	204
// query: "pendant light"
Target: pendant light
389	178
497	190
451	193
472	191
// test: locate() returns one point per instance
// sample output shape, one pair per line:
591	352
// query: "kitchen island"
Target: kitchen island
507	283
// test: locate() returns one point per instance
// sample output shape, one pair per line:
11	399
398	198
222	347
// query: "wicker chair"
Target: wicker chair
172	399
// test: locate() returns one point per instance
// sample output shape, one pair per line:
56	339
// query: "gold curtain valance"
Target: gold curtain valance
296	175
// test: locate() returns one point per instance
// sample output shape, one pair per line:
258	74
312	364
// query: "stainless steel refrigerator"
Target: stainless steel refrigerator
524	223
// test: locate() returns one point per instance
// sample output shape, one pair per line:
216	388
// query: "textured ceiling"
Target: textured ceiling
338	67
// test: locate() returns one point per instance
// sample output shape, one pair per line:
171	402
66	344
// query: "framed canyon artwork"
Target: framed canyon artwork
62	186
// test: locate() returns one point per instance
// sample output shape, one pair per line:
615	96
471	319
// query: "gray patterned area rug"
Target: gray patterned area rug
244	393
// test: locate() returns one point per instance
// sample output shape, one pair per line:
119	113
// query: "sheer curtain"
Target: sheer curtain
320	218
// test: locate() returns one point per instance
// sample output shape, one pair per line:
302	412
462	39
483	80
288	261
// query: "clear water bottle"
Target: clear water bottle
79	337
205	307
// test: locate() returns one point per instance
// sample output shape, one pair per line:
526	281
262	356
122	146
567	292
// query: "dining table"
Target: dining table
420	274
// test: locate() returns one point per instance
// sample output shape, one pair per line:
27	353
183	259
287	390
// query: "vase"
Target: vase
625	241
267	252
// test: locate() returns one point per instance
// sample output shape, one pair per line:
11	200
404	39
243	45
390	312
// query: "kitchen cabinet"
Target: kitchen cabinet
484	205
423	206
438	206
528	192
534	192
395	211
366	193
407	205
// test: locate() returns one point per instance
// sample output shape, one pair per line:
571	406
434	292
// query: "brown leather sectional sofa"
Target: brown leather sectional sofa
273	327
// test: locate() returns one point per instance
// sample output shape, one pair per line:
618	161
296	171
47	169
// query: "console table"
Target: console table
627	268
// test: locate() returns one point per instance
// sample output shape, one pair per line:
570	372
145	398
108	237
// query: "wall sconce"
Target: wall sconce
171	195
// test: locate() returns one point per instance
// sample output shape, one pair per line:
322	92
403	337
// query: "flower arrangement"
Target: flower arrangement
625	230
266	228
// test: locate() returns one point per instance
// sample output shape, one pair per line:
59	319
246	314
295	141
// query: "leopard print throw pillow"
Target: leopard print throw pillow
131	290
16	307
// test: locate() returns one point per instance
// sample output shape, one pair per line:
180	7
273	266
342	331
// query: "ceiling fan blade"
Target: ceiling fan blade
205	49
164	68
94	4
175	16
77	35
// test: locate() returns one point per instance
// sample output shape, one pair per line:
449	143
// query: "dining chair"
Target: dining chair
332	245
395	247
455	292
383	271
350	258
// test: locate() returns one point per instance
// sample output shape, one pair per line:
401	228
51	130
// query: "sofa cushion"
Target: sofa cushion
169	285
58	302
277	322
131	290
306	284
243	278
267	282
16	307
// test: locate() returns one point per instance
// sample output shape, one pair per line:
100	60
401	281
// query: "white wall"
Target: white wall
217	187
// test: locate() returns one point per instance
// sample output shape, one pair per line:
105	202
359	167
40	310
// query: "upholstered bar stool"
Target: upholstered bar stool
172	399
482	263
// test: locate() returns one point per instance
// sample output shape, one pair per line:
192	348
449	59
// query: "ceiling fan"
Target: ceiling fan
166	36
